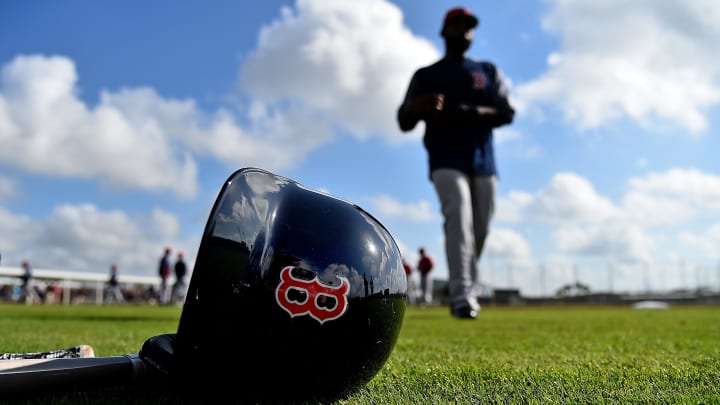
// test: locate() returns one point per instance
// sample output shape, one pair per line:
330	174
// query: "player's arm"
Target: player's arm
492	117
504	112
499	112
418	105
425	107
407	116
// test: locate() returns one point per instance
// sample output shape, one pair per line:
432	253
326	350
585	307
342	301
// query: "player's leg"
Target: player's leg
453	190
428	289
483	197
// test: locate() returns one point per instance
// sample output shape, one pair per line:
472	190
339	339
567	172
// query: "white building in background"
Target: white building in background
72	286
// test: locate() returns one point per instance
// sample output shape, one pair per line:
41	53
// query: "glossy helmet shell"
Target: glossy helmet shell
295	293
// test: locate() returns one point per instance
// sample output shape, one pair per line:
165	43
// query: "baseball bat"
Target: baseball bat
68	352
36	376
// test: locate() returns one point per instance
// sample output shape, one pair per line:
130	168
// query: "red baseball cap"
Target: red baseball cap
461	13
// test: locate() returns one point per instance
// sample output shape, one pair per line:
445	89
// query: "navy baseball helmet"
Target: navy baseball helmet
295	294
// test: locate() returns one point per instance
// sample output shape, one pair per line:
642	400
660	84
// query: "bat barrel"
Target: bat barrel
43	376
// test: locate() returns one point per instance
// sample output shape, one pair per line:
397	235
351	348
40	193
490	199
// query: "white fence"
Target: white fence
72	281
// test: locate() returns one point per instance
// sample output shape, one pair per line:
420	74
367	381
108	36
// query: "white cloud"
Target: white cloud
507	243
328	65
134	138
648	209
46	129
654	217
17	232
686	184
569	198
624	242
647	60
388	206
511	209
347	61
706	242
257	144
166	224
61	240
671	197
515	144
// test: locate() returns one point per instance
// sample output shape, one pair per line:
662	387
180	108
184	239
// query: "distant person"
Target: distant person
178	292
410	282
113	293
164	273
27	289
425	266
151	295
461	101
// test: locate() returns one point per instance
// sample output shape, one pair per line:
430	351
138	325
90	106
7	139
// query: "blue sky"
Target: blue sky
120	121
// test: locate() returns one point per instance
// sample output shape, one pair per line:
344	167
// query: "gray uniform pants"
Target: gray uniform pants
467	205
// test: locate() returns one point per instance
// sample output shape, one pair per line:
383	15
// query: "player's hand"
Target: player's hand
429	105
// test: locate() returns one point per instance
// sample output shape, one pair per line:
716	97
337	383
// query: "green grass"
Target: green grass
524	355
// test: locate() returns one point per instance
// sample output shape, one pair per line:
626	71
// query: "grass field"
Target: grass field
523	355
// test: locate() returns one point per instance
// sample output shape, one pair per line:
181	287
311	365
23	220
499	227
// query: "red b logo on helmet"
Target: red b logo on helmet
322	302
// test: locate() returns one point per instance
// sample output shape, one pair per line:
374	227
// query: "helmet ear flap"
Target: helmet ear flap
159	353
